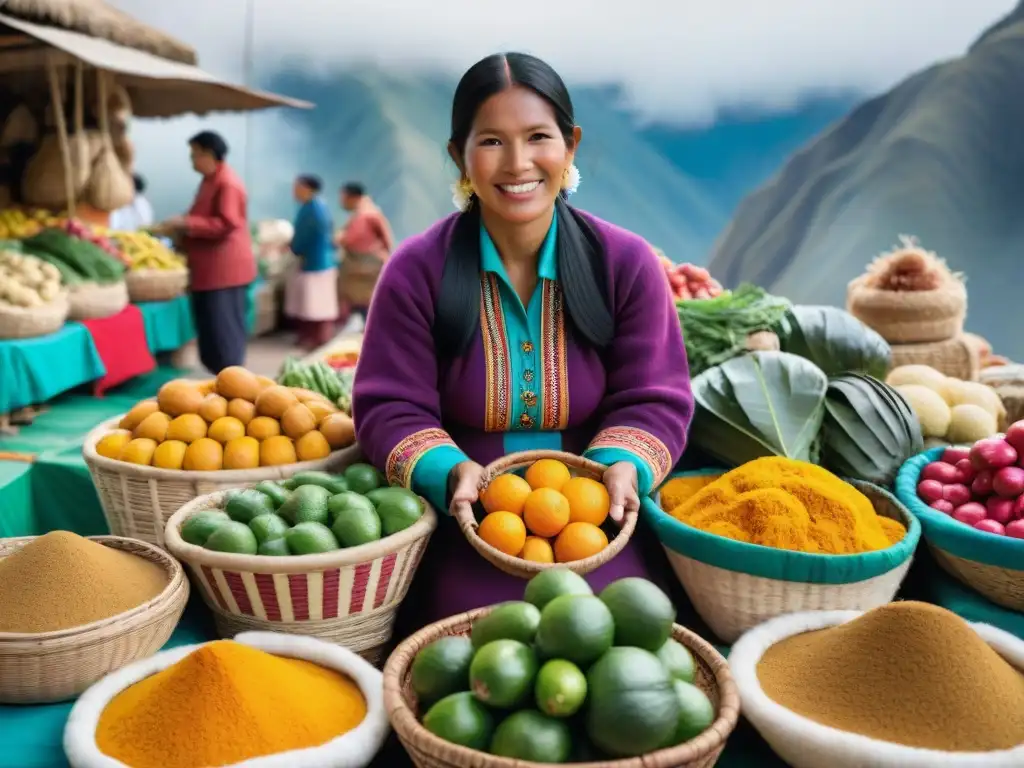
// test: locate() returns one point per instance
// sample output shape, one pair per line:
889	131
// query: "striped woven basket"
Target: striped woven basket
349	596
155	284
138	501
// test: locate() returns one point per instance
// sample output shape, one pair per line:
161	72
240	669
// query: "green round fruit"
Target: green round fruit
245	505
578	628
442	668
534	737
198	528
307	504
696	713
508	621
233	536
274	548
461	719
275	492
332	483
268	527
310	539
356	525
399	511
561	688
643	613
378	495
552	583
342	502
362	478
632	707
678	660
502	673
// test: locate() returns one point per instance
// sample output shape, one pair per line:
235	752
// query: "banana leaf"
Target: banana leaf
760	404
834	340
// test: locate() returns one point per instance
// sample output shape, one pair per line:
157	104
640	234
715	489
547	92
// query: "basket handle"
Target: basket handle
512	460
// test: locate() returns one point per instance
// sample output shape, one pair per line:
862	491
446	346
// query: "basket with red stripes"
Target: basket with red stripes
348	596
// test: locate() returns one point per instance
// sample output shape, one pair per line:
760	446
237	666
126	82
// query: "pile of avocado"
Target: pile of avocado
307	514
565	675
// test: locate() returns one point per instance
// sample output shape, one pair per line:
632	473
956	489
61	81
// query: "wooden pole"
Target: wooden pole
62	132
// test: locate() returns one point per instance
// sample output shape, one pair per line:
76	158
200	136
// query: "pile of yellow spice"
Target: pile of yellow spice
785	504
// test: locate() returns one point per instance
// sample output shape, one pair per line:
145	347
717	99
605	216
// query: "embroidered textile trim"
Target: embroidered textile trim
402	459
496	357
554	367
641	443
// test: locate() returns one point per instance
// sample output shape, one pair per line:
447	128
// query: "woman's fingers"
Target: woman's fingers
617	499
467	487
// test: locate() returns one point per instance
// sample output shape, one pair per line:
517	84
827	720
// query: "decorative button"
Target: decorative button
529	398
528	375
527	347
526	421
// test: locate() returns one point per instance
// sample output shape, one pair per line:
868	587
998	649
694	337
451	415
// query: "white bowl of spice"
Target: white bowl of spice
262	700
906	685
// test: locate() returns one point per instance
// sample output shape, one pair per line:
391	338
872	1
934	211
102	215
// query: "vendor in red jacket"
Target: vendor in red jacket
215	236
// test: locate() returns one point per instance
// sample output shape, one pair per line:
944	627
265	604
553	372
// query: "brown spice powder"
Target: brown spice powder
908	673
61	580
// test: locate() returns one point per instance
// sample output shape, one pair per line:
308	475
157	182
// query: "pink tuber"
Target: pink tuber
970	513
982	485
1018	508
956	494
930	490
1000	510
991	526
941	471
1015	530
992	453
1015	436
942	506
1008	482
955	454
966	471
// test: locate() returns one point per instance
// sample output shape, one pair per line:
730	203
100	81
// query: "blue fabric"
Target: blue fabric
780	564
430	475
250	303
35	370
609	456
313	235
949	535
168	324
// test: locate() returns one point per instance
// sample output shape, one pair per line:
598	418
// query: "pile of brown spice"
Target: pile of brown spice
909	267
61	580
908	673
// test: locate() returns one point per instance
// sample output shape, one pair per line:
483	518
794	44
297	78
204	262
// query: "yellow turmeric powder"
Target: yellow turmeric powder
785	504
224	703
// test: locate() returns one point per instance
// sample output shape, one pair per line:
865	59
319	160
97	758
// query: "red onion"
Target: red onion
966	471
1015	530
956	494
982	485
1015	436
942	506
1008	482
955	454
930	490
992	453
991	526
970	513
1000	510
941	471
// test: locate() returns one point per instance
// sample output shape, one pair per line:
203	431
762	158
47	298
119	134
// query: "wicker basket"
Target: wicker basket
155	284
990	564
735	586
45	667
954	357
92	301
138	500
349	596
526	569
804	743
30	322
429	751
909	317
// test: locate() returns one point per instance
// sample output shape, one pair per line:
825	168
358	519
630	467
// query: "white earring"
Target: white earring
571	179
462	194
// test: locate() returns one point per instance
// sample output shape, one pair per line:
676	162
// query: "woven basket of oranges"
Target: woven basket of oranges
545	509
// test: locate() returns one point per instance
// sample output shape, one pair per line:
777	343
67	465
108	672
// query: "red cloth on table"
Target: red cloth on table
121	343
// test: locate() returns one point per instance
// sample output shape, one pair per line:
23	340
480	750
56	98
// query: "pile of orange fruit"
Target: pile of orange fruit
545	516
237	421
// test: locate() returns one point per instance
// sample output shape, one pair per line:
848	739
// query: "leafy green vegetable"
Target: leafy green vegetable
760	404
868	431
835	341
716	329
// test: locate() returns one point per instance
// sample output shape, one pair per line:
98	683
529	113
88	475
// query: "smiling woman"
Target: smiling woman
519	323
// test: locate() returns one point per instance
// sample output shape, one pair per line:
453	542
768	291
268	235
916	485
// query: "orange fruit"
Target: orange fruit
507	492
588	500
537	550
504	531
546	512
578	541
547	473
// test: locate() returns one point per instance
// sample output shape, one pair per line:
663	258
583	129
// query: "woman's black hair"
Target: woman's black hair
581	253
311	182
211	142
353	188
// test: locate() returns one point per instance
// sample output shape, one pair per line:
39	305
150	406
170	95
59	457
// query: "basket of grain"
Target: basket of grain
735	585
989	564
609	538
196	437
30	322
712	677
76	609
348	596
155	284
906	685
93	301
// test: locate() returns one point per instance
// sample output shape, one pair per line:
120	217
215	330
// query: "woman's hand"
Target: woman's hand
621	481
465	480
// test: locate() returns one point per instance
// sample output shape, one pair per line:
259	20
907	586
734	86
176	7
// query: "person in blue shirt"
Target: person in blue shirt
311	295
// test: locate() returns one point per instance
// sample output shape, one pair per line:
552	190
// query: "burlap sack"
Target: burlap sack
909	317
954	357
1013	400
357	278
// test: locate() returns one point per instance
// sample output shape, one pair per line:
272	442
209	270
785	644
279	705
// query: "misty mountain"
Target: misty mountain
940	156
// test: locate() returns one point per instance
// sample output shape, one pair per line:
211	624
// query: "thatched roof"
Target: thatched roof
98	19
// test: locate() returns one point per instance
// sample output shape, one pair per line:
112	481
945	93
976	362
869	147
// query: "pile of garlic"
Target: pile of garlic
26	281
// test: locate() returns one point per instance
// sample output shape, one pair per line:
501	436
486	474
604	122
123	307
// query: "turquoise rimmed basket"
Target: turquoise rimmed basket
990	564
735	586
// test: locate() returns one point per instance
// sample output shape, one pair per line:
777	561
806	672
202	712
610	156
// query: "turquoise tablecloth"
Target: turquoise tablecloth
36	370
168	324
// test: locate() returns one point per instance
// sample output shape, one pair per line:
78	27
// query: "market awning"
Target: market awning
158	87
